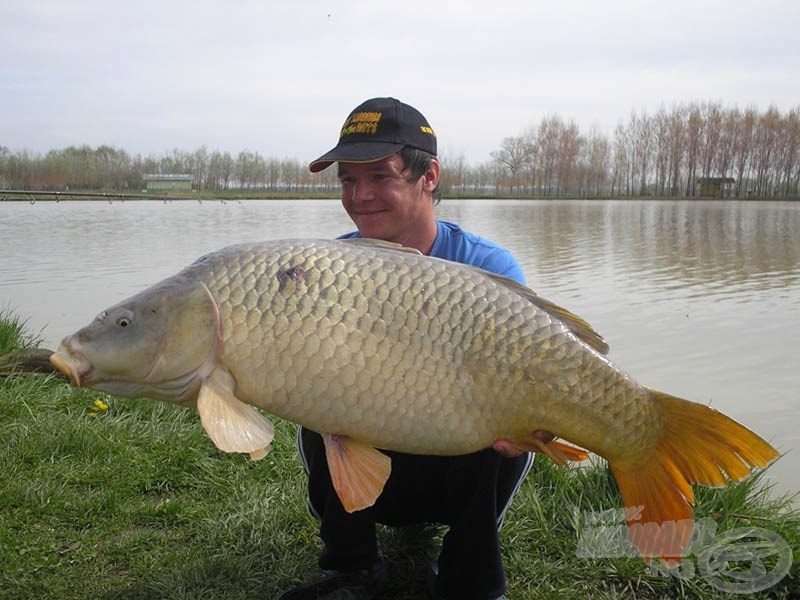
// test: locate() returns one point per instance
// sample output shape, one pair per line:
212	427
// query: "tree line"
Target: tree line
749	153
109	168
663	154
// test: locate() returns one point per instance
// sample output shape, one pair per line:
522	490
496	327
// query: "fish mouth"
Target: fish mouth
75	369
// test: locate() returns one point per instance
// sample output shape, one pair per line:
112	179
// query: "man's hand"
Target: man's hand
507	449
511	450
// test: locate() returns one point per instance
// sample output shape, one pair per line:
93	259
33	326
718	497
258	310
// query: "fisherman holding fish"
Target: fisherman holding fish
452	370
389	174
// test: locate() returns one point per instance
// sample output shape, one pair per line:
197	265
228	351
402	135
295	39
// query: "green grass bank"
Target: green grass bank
107	498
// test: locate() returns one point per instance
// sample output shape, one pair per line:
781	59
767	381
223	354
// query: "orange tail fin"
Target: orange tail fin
698	445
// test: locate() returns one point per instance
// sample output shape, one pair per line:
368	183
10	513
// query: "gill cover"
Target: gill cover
159	343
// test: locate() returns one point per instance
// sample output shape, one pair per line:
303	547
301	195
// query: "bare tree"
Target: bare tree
593	164
642	140
694	140
710	136
765	149
787	158
743	141
569	148
511	157
623	162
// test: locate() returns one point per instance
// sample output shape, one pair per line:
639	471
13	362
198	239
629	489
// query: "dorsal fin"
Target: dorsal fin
574	323
374	243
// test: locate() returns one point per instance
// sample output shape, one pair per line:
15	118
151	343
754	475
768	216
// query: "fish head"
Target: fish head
160	343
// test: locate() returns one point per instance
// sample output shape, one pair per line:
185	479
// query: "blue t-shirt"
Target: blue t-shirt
453	243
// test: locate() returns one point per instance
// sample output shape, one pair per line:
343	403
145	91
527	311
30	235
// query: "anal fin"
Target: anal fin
359	472
559	452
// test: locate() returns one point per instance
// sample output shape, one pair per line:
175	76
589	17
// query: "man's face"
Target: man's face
382	202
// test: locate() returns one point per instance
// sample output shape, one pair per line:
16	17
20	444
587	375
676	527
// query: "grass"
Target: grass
128	499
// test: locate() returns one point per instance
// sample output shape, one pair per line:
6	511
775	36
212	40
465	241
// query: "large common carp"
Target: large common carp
376	346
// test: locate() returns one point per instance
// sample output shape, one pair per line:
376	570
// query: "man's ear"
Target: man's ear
430	179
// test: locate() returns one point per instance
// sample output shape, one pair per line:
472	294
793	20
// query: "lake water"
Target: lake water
700	299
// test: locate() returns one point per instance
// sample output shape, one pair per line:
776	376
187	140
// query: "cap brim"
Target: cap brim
356	152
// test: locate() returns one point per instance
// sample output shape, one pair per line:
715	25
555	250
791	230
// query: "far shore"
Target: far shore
32	196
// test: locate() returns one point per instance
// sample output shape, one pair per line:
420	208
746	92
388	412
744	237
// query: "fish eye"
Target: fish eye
124	321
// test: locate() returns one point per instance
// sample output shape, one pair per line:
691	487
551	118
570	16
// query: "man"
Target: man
389	175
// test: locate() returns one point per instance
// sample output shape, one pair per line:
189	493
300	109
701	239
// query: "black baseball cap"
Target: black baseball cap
376	129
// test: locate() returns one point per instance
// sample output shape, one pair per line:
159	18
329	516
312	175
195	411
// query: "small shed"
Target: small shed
168	182
715	187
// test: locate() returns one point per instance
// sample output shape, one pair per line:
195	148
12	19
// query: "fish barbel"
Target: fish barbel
378	347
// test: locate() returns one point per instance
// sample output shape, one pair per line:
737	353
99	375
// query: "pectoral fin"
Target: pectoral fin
231	424
358	471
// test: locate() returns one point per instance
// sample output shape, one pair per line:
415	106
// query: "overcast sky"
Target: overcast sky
279	77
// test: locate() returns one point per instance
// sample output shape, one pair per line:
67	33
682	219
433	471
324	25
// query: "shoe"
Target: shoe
433	572
344	585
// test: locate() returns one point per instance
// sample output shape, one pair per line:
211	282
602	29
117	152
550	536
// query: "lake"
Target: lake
700	299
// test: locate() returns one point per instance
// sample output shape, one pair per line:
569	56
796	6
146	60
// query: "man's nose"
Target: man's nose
362	191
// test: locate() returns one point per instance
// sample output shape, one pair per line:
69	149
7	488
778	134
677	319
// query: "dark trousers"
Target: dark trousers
468	493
